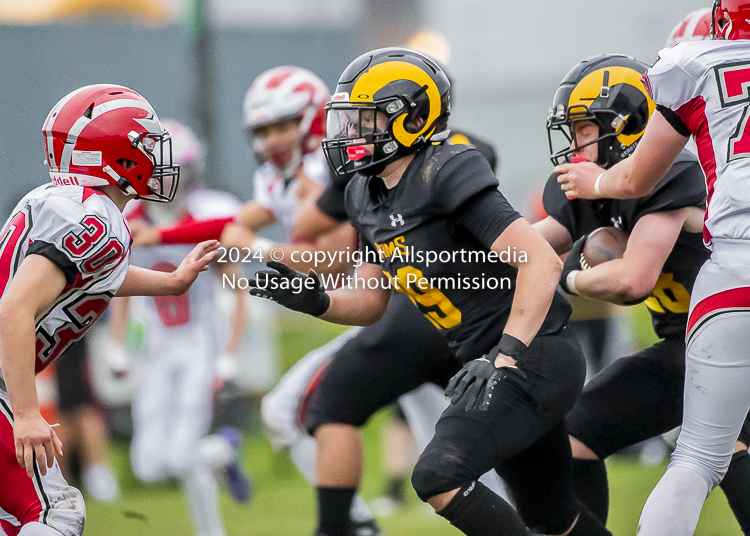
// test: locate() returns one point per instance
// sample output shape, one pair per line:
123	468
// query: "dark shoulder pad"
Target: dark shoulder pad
456	173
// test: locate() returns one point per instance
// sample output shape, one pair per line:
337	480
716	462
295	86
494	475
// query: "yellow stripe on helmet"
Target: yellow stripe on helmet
382	74
590	87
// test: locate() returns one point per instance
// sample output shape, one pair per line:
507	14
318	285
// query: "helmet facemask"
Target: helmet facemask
165	176
358	137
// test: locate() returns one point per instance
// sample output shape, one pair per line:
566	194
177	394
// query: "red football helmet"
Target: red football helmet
283	93
107	134
696	26
731	19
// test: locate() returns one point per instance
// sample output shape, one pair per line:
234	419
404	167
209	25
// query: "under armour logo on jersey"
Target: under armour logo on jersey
617	222
396	219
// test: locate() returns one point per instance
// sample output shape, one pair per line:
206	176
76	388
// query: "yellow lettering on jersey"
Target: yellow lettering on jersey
433	304
387	250
670	295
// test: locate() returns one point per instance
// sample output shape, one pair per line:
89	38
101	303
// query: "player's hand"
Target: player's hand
577	180
476	382
237	236
35	439
196	262
574	262
144	235
292	289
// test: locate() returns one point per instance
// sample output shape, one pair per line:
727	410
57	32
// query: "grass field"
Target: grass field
284	504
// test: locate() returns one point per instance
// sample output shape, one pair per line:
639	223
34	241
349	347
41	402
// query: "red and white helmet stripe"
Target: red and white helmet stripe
696	26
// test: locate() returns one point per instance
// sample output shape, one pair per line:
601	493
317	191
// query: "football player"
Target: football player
172	402
385	362
639	396
64	254
387	122
699	90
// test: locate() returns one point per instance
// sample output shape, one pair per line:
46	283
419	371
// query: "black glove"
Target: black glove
477	380
573	262
292	289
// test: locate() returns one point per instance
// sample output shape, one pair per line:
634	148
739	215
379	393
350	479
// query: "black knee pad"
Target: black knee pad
432	476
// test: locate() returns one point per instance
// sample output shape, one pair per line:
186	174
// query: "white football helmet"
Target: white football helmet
696	26
284	93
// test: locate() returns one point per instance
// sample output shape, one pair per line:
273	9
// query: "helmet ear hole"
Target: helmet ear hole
637	120
126	163
418	115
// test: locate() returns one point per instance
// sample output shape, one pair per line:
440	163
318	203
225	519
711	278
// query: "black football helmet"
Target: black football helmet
606	90
388	103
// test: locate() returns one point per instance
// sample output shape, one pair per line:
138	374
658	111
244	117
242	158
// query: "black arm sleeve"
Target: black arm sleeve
331	201
460	178
369	251
486	215
675	120
59	259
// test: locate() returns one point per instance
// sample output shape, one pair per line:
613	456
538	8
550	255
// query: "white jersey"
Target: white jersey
189	321
707	83
81	231
273	193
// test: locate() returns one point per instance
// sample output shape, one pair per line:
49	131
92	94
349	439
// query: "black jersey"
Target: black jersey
683	186
331	201
433	232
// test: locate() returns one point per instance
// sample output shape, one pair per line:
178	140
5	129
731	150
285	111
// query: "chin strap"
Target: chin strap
124	184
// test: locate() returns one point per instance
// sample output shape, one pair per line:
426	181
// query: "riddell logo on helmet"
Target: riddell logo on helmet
340	97
65	181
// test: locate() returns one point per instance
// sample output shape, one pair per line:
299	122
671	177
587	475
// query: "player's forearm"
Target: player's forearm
143	282
17	356
303	258
310	222
621	182
536	284
356	307
614	281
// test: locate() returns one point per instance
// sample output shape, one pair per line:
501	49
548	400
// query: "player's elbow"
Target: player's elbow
550	265
541	270
633	286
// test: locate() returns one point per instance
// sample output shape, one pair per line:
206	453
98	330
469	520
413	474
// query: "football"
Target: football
604	244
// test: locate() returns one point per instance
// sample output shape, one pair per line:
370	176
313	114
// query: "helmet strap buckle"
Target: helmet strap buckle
124	184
